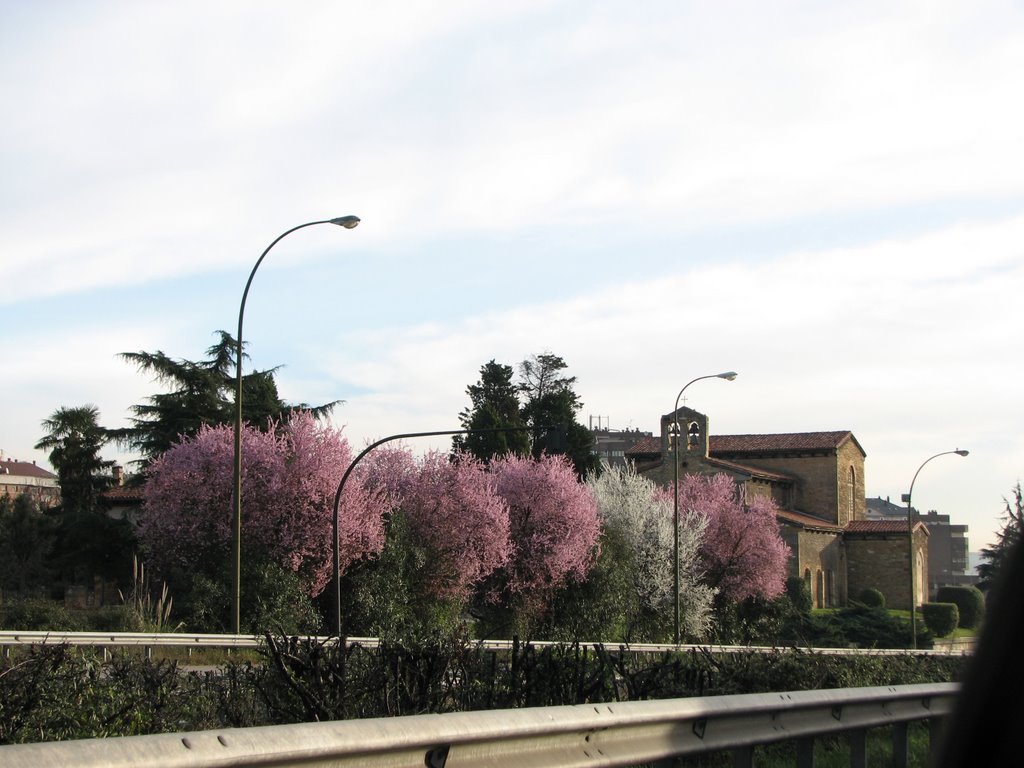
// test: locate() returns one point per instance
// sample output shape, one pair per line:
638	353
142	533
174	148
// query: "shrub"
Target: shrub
969	601
876	628
799	594
38	614
112	618
941	618
871	598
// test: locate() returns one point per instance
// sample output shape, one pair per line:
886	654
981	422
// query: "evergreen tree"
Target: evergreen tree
995	557
26	538
202	394
74	439
494	404
550	402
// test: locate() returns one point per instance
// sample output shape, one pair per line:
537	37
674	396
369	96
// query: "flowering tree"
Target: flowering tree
554	524
455	514
742	553
289	478
641	515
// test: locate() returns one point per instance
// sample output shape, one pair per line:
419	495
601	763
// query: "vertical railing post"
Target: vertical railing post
858	741
936	727
900	745
743	757
805	753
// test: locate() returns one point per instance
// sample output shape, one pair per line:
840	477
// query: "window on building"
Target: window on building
853	494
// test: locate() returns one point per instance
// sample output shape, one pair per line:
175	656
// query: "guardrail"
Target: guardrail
615	734
150	640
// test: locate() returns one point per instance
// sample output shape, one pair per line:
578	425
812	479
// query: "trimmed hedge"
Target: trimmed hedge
799	594
54	692
969	601
941	618
871	598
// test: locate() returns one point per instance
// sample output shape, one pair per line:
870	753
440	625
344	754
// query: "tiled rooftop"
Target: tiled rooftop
24	469
806	521
795	441
878	526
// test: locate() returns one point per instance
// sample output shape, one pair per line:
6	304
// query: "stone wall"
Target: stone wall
820	560
851	504
882	562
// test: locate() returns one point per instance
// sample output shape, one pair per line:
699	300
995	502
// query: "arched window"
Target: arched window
853	494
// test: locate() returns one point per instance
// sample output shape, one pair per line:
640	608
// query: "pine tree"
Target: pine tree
550	407
74	439
995	557
202	394
494	404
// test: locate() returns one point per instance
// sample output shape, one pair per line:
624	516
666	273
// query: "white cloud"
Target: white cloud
149	142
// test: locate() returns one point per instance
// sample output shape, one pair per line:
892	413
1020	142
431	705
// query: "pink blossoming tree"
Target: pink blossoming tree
742	552
289	478
465	524
455	515
554	525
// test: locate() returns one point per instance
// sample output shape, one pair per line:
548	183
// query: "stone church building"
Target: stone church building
816	479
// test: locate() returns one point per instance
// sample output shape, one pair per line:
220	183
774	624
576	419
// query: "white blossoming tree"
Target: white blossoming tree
639	514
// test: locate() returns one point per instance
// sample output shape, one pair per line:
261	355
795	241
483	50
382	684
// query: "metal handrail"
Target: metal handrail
612	734
175	639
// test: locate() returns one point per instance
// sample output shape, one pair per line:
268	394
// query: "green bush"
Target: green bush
112	618
799	594
60	692
941	618
858	625
969	601
871	598
38	614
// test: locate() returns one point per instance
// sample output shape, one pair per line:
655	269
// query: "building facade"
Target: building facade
612	444
18	477
816	479
948	546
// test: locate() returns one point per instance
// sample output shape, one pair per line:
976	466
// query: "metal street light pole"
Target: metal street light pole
910	533
674	435
348	222
344	479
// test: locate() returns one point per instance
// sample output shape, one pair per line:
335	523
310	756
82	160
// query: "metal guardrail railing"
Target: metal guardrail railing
171	640
615	734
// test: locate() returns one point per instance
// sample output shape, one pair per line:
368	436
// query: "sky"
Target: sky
827	198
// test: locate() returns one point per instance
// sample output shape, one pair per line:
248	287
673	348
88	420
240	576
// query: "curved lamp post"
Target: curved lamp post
674	434
348	222
910	532
344	479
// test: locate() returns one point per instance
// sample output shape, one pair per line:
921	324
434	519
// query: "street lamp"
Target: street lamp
910	532
348	222
348	472
674	435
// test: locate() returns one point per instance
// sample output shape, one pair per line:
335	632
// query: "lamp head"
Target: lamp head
348	222
728	375
961	452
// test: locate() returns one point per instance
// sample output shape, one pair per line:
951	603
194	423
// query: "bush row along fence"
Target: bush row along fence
54	692
616	734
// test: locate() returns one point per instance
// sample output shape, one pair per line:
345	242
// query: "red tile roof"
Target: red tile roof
881	526
795	441
651	446
746	469
806	521
648	445
124	495
24	469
